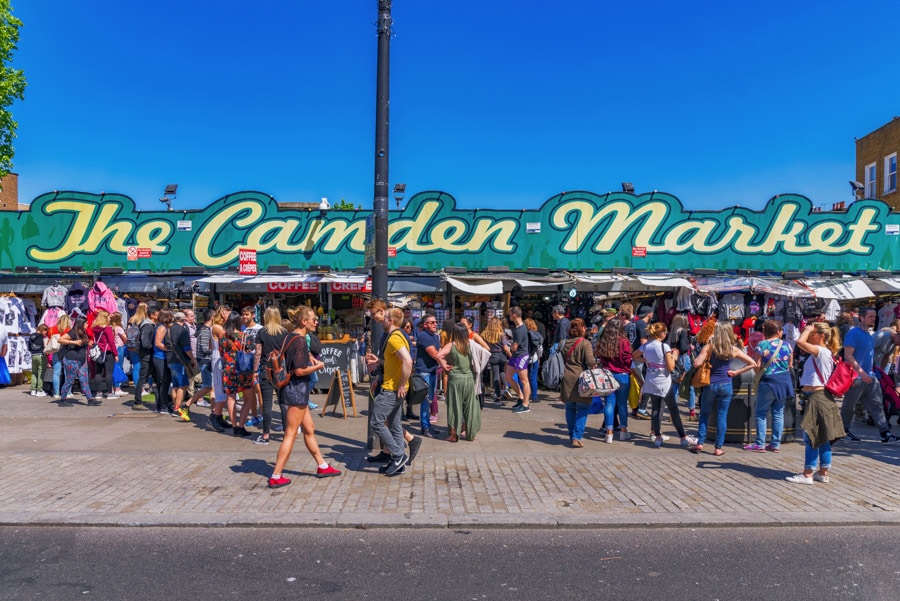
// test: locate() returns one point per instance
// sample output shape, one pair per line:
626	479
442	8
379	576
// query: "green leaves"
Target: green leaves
12	84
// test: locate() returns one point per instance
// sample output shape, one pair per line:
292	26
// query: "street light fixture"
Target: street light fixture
171	189
399	193
628	187
855	189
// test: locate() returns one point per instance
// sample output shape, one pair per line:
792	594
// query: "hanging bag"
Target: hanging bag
596	382
701	376
243	360
276	363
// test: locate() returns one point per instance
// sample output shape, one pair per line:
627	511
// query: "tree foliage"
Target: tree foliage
344	205
12	84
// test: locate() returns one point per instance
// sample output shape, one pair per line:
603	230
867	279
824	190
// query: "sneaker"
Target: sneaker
57	397
889	438
851	437
522	409
327	472
313	406
34	393
693	415
252	421
381	457
41	393
820	478
689	441
139	407
428	433
241	432
658	442
279	482
641	414
756	448
507	394
66	403
414	445
800	479
214	423
624	435
94	402
665	437
432	419
261	440
609	437
772	448
396	465
184	414
203	403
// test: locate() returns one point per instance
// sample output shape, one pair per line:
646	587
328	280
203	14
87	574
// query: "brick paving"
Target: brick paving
106	465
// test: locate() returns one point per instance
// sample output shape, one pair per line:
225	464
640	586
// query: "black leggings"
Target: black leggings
268	392
656	402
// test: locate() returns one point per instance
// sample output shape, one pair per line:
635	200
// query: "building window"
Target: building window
870	181
890	173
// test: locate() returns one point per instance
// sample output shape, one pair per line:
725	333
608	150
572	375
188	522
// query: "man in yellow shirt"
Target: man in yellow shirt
387	405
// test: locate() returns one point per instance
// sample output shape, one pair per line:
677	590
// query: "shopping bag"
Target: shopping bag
634	392
119	376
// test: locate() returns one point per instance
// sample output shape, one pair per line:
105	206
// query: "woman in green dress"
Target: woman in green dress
463	409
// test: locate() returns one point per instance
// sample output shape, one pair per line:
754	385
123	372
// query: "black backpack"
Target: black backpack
36	343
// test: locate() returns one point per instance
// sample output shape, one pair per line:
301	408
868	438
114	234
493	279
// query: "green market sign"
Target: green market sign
573	231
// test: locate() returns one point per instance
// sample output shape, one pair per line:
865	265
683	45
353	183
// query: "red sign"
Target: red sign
352	286
392	251
638	251
144	253
293	287
247	261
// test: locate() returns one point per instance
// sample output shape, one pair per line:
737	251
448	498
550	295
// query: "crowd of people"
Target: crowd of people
653	367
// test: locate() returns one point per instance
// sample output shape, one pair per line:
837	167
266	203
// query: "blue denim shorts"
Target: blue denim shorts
205	375
179	376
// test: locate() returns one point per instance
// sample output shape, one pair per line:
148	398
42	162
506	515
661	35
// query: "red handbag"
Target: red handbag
841	379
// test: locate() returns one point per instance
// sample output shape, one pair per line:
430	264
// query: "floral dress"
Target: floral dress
233	382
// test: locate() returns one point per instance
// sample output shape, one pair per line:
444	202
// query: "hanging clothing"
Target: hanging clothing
77	299
54	296
101	297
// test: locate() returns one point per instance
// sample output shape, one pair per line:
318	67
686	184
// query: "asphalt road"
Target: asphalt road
756	564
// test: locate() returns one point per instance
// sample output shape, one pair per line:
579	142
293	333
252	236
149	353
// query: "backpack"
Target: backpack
535	343
36	343
552	370
889	394
133	337
204	343
276	365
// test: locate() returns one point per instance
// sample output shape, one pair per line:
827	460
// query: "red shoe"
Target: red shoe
326	472
279	482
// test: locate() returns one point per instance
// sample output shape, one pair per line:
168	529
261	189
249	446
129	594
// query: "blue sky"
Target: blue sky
500	104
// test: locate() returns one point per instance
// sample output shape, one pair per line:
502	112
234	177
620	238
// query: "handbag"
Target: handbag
97	356
243	360
52	345
841	379
418	389
596	382
701	376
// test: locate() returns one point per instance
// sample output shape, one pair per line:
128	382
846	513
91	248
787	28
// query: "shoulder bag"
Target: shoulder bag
598	381
243	359
701	376
762	372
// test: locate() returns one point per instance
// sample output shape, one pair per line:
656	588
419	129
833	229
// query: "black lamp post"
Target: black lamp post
382	110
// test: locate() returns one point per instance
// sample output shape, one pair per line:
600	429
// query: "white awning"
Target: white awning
840	290
892	282
477	286
664	281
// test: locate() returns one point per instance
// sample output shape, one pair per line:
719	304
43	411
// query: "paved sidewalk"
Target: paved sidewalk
108	466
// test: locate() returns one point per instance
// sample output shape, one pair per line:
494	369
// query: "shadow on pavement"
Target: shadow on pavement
764	473
252	466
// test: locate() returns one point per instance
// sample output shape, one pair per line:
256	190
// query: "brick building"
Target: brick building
9	193
876	163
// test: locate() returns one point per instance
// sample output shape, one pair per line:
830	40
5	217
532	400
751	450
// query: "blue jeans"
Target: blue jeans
425	407
532	378
692	395
576	418
57	372
814	457
765	400
135	366
721	393
617	401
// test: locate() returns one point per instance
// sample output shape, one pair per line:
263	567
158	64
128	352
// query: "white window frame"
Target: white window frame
871	173
890	173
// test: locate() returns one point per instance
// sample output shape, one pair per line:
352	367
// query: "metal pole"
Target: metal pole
382	109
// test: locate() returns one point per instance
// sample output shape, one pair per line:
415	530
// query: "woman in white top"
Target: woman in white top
821	423
660	360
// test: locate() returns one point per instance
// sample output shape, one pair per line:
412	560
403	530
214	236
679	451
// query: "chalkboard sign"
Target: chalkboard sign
340	394
335	355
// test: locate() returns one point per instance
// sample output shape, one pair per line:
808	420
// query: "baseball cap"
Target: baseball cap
179	316
644	311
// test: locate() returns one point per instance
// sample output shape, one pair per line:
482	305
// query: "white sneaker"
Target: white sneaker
56	396
41	393
820	478
688	441
800	479
658	442
609	437
665	438
34	393
203	403
624	435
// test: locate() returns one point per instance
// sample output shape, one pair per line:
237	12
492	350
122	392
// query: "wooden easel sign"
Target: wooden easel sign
340	393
